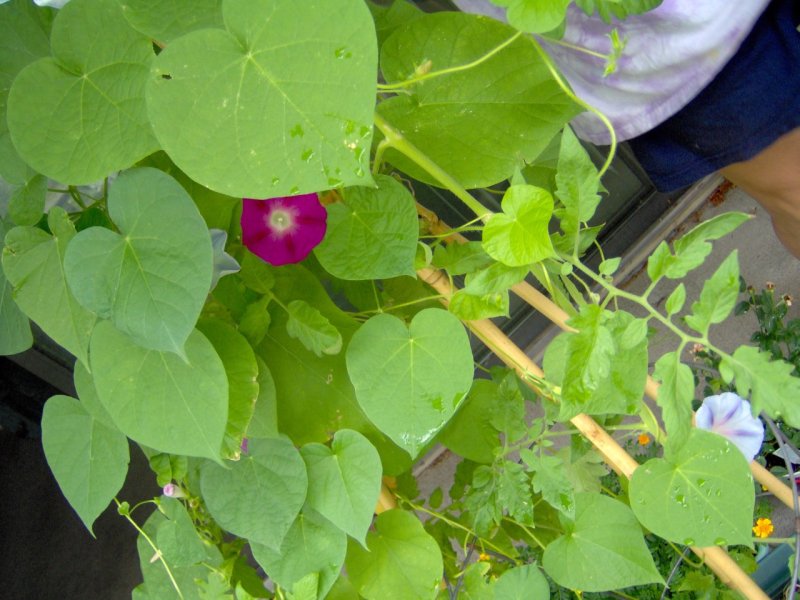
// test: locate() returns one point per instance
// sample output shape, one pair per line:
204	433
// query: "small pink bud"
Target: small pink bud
173	491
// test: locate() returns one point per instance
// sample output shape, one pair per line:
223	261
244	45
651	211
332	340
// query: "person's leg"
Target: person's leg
772	177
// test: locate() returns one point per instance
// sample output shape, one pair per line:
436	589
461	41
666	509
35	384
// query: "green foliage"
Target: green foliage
619	9
15	331
167	21
382	222
314	331
675	396
471	433
700	494
718	296
275	125
88	458
410	380
518	236
510	100
602	549
403	561
535	16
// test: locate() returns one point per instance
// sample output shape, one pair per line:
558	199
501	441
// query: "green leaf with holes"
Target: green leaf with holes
285	93
157	398
272	471
478	124
152	278
410	380
88	458
381	222
403	561
601	549
80	114
700	495
344	481
32	261
518	236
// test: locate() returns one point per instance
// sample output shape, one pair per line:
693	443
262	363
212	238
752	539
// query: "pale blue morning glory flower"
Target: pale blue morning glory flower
51	3
729	415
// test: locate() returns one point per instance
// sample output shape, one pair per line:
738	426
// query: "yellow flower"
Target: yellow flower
643	439
484	557
763	528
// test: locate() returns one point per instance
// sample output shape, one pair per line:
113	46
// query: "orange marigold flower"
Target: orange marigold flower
763	528
643	439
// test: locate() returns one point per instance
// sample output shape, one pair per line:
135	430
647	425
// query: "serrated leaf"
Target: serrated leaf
237	90
701	494
410	380
153	277
508	101
550	480
234	495
403	562
381	222
718	296
156	398
675	396
603	548
312	329
242	371
313	545
32	261
88	459
769	383
67	114
344	481
577	187
519	236
167	21
676	300
495	278
459	259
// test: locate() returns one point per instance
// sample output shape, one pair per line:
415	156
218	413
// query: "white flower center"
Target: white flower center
281	220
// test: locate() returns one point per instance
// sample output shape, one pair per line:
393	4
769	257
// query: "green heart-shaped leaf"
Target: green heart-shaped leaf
381	222
153	277
519	235
410	380
88	458
603	548
284	95
81	114
259	496
702	494
344	481
167	20
312	545
157	398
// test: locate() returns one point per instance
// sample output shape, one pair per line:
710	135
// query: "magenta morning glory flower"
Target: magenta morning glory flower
729	415
283	230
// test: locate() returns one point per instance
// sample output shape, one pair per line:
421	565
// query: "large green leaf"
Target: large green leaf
344	481
675	396
68	115
167	20
15	331
284	94
522	583
381	222
602	549
312	545
518	236
403	561
410	380
535	16
478	124
701	494
242	370
24	37
259	496
152	278
470	432
265	415
32	261
314	394
88	458
157	398
177	537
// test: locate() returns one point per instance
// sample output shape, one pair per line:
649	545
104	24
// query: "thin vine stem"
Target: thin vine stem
388	87
125	512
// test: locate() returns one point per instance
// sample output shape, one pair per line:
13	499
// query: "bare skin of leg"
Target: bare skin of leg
772	177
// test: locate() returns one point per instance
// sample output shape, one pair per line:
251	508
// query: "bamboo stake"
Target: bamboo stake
558	316
714	556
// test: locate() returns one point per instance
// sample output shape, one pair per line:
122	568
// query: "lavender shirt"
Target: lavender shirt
671	54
